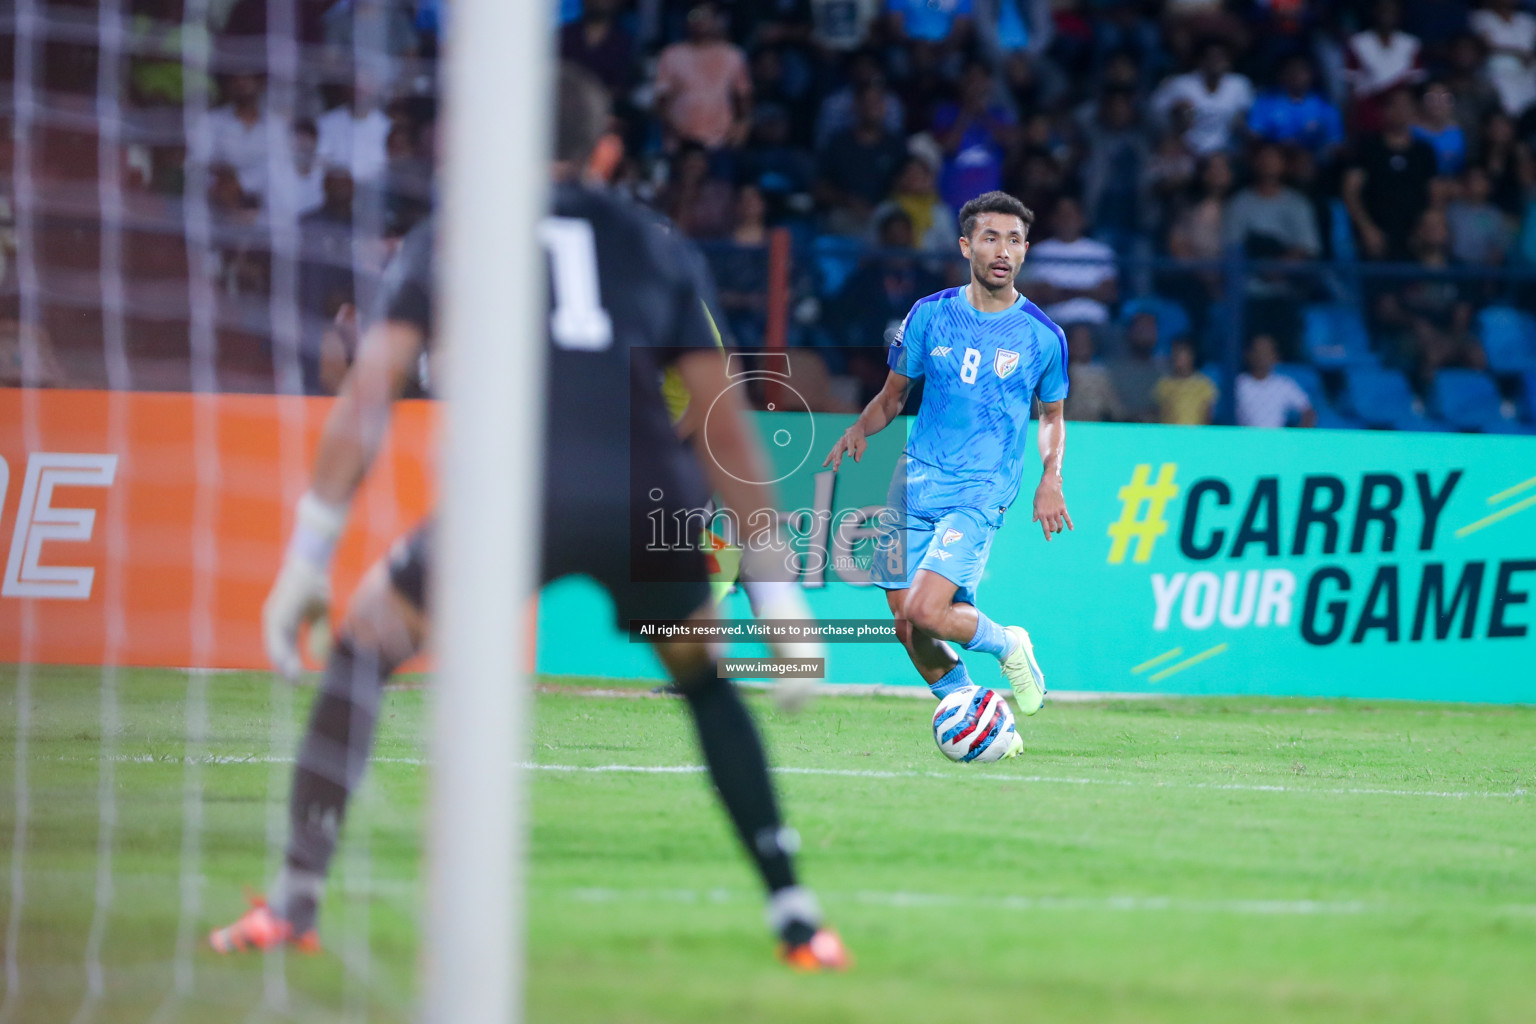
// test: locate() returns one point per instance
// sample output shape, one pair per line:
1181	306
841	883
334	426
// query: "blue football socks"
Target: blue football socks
990	638
955	679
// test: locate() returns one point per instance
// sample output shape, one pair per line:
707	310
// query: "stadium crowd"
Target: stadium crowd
1154	141
1345	191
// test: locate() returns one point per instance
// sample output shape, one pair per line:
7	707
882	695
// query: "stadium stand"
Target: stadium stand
1527	394
1335	335
1469	400
1509	338
1381	398
756	121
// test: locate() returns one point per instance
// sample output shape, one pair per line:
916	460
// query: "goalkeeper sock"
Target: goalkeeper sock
990	638
734	753
331	763
794	915
956	678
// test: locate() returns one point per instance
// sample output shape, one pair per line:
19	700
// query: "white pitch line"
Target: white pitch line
872	773
1118	904
950	776
406	893
909	900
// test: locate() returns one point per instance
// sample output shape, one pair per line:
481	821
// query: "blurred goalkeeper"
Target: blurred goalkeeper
626	304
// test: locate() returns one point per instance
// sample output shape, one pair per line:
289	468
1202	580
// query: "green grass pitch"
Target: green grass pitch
1146	861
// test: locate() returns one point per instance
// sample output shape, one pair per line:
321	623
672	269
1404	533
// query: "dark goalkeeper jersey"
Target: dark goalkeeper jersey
624	301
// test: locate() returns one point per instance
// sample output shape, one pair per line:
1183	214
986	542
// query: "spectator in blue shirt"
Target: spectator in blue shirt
975	135
932	21
1438	126
1296	114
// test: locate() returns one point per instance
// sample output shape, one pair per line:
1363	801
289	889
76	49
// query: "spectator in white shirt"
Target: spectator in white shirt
352	135
1510	36
1070	276
1378	60
1206	104
301	180
1266	398
241	134
703	88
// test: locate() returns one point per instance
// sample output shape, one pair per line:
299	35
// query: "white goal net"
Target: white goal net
197	198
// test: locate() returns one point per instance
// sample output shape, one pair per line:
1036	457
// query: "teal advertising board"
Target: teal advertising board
1204	561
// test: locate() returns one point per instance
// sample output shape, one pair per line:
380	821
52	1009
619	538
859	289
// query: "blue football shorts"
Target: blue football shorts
954	545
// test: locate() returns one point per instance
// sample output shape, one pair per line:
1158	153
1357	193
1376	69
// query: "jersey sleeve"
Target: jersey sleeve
1296	397
1053	373
906	354
694	324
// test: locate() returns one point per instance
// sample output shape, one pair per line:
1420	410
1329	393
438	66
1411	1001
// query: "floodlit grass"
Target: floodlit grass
1193	860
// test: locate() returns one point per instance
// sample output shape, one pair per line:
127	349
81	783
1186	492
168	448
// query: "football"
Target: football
974	724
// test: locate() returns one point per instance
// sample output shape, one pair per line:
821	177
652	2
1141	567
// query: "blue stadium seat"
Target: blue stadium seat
1307	379
1528	396
1334	334
1172	320
1341	234
1509	338
1468	400
836	258
1381	398
1218	375
1305	376
1329	418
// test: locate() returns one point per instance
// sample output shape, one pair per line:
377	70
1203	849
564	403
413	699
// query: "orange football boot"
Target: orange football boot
824	952
260	928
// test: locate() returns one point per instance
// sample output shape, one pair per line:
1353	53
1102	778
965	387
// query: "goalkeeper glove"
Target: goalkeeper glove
782	600
301	595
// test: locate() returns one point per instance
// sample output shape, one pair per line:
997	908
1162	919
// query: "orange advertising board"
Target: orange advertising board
146	529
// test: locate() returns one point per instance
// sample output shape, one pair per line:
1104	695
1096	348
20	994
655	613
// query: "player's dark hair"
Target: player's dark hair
994	202
583	104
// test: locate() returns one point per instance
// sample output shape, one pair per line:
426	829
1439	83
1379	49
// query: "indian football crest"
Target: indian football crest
1004	363
950	536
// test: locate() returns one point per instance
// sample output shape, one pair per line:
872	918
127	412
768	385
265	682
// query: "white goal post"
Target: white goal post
491	280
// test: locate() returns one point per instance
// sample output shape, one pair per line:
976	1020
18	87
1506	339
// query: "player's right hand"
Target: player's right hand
301	596
853	442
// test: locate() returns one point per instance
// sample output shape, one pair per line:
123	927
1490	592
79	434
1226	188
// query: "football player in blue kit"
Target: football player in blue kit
984	353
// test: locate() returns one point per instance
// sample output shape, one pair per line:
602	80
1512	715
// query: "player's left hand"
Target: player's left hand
301	595
1051	508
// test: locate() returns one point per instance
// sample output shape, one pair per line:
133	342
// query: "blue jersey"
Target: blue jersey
1310	122
981	372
